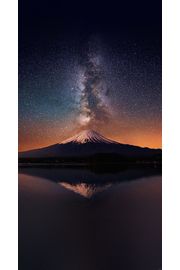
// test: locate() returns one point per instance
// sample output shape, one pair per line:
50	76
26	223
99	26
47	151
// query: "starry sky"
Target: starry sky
89	64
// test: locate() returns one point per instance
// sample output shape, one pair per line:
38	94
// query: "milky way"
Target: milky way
94	103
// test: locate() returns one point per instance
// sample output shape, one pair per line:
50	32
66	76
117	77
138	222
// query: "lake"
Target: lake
90	219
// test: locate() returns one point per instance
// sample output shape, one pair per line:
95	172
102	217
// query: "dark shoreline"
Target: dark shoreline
154	164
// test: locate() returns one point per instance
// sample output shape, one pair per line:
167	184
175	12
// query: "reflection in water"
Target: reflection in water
91	175
84	189
119	228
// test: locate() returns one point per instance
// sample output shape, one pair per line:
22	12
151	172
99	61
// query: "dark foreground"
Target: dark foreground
82	219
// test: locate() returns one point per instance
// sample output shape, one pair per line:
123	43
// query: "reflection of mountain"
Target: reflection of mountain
86	190
86	175
88	144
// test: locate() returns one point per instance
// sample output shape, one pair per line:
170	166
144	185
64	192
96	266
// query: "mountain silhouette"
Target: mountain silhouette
89	143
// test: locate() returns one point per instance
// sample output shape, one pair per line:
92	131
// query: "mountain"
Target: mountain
88	144
85	189
88	136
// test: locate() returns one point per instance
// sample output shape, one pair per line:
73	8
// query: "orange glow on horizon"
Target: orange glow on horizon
143	138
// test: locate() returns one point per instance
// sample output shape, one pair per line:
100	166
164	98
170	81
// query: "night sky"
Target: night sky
89	64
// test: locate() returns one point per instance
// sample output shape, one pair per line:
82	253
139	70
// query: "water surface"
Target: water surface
80	219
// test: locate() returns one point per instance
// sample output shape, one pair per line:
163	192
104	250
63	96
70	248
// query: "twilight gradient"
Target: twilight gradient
108	80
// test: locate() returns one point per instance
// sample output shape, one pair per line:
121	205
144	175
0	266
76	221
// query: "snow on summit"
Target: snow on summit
86	136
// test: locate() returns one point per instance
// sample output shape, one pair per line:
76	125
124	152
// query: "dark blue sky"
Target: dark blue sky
57	40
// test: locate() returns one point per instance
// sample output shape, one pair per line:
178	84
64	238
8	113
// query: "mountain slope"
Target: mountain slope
88	136
89	143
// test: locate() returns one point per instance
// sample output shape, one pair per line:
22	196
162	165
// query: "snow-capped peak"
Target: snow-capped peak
86	136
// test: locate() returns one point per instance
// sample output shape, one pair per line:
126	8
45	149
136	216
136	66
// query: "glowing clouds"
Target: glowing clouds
84	120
